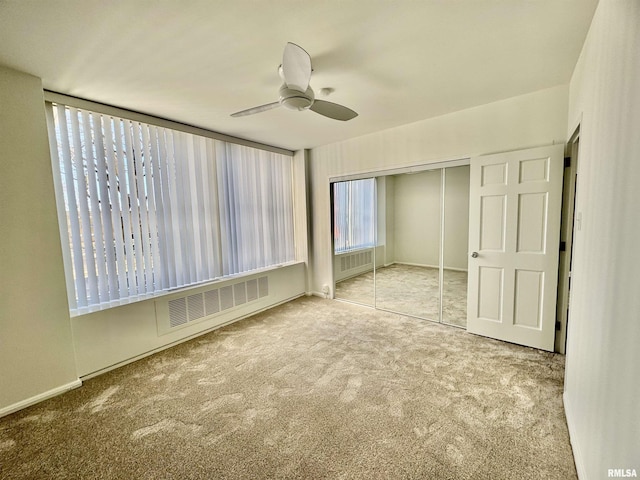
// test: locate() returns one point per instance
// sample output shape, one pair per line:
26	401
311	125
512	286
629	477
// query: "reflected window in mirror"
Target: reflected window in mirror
354	238
353	215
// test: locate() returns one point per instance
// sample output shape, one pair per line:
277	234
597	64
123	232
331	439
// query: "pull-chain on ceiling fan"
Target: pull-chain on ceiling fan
295	93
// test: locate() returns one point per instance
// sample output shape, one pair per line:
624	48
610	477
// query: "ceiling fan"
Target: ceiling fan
295	92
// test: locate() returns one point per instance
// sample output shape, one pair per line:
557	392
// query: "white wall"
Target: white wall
535	119
456	217
36	352
416	210
417	218
602	382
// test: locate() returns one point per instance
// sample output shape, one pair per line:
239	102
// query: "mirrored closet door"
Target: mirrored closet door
455	241
408	282
354	239
400	243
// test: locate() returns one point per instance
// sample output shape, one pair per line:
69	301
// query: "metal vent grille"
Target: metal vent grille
226	297
263	287
240	293
195	307
356	260
177	312
211	302
252	290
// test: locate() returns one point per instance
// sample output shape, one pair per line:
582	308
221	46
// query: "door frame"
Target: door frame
566	236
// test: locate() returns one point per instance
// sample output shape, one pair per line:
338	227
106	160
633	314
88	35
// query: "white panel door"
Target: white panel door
514	233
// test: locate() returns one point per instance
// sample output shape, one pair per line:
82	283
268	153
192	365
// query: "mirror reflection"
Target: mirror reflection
354	213
409	281
400	243
455	246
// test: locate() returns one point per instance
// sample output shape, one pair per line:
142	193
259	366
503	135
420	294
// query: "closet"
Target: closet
400	242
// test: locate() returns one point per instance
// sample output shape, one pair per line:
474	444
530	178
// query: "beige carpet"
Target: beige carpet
411	290
312	389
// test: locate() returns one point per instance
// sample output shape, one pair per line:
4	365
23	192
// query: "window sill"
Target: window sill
77	312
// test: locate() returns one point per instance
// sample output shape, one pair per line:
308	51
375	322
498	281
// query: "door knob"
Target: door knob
474	255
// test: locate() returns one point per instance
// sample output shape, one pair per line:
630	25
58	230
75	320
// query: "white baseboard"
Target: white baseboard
40	397
411	264
455	269
573	438
424	265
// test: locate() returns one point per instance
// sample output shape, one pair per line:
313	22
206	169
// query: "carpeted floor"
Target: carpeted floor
411	290
312	389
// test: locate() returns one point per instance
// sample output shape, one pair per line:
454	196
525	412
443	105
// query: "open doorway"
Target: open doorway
569	222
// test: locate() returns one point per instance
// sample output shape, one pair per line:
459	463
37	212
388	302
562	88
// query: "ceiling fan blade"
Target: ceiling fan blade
261	108
296	67
333	110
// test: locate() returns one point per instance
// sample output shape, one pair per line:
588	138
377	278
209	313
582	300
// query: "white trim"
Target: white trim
83	104
416	168
54	392
424	265
575	130
573	439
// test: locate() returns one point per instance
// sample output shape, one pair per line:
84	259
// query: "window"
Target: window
353	215
145	209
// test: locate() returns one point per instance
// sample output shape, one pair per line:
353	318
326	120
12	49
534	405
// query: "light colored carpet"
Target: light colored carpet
411	290
454	298
312	389
359	289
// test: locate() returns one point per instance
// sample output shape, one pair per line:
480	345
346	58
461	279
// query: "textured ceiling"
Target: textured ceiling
394	62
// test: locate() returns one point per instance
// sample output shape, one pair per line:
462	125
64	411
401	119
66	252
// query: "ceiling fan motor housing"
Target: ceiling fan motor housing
295	99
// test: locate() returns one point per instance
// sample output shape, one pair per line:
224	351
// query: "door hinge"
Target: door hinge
567	162
558	325
563	246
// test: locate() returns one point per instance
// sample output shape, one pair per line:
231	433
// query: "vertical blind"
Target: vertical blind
149	209
353	215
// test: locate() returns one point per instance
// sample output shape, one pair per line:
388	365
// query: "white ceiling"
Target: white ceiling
392	61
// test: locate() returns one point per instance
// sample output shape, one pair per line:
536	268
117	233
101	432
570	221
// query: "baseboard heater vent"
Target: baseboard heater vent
195	307
355	260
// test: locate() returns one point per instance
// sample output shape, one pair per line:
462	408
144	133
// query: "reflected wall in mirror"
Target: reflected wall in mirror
354	239
455	246
408	282
400	243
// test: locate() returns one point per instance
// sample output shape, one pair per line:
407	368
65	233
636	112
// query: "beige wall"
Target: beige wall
535	119
416	209
602	383
36	350
417	218
456	218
